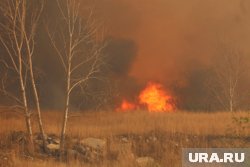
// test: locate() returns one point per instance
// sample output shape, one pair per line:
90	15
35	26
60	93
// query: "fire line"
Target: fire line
153	97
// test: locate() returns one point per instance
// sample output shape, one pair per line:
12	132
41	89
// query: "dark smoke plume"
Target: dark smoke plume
174	42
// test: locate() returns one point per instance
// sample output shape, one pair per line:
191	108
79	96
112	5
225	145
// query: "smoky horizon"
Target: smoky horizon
197	51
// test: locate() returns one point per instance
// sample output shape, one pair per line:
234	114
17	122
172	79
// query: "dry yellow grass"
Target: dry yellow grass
110	124
102	124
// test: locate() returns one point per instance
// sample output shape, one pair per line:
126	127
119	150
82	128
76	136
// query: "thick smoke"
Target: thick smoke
179	41
171	34
119	55
174	42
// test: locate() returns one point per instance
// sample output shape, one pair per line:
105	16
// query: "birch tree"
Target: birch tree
229	71
21	18
79	45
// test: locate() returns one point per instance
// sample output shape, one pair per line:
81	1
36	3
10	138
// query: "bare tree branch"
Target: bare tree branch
19	43
79	51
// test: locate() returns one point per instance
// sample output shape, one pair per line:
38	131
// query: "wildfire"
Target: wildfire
153	97
126	106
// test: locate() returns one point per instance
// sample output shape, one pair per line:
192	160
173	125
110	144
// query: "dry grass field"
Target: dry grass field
170	132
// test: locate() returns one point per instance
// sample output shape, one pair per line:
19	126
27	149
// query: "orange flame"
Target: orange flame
156	98
126	106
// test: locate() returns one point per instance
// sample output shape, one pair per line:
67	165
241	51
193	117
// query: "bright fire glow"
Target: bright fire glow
153	97
156	98
127	106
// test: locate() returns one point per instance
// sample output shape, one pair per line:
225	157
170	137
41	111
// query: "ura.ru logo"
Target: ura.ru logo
215	158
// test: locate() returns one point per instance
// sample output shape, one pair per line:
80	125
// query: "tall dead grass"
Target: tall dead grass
180	127
102	124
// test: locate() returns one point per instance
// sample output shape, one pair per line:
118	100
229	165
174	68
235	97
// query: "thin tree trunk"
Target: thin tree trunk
66	111
28	122
231	96
30	45
25	105
231	105
29	130
37	101
74	37
68	86
20	32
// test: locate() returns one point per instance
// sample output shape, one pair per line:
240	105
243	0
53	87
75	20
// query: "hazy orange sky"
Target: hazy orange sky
174	36
174	42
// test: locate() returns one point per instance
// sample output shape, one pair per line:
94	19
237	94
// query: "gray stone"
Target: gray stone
91	149
80	149
94	143
53	147
125	140
153	138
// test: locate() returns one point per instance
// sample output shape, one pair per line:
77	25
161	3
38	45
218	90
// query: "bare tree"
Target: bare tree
79	49
229	71
21	21
30	46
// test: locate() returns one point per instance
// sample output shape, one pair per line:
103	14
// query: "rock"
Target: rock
56	141
91	149
53	147
94	143
80	149
125	140
153	138
146	162
53	140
